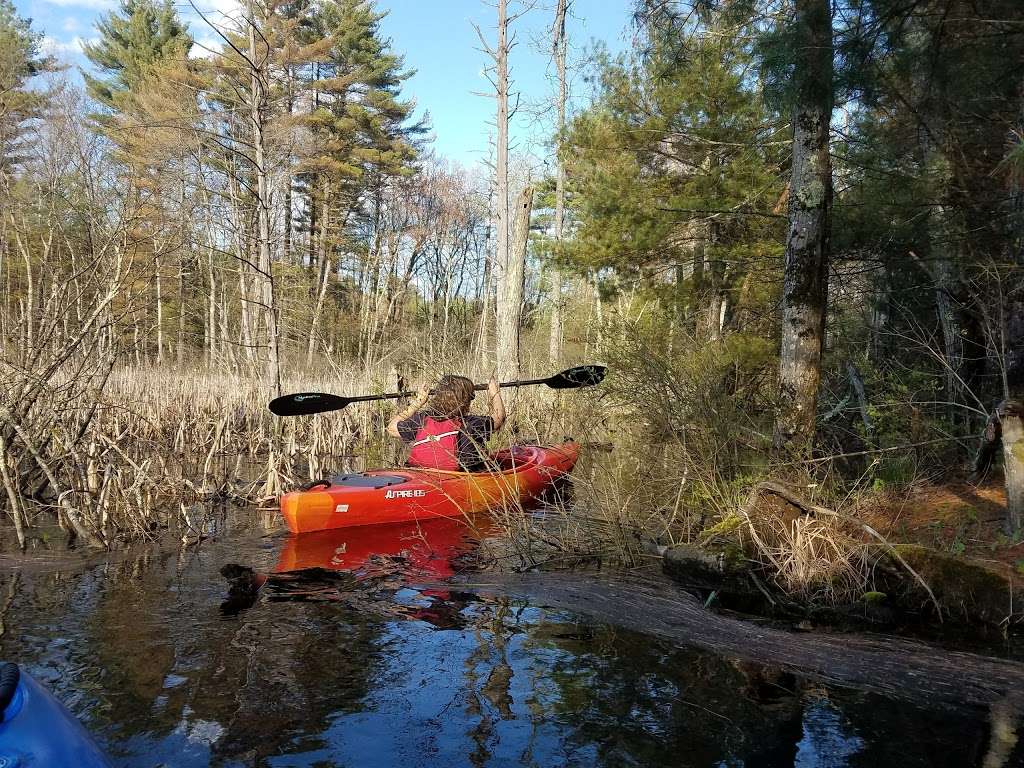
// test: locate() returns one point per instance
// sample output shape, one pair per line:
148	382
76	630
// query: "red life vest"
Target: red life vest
436	445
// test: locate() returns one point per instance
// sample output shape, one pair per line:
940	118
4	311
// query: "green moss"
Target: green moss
734	556
873	597
962	587
723	527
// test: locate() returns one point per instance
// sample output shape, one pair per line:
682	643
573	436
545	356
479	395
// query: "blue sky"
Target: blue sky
438	41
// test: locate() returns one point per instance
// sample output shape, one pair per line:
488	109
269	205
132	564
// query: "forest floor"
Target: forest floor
956	517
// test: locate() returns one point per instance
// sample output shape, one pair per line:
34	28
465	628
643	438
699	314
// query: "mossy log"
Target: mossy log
965	590
909	583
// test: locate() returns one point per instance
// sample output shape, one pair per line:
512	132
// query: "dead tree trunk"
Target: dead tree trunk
159	311
506	357
510	291
806	271
560	45
314	329
257	116
1012	418
903	670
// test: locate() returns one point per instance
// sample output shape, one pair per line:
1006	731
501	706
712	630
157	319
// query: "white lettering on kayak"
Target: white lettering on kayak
341	508
404	494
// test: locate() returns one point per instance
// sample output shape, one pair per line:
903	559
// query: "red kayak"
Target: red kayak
522	473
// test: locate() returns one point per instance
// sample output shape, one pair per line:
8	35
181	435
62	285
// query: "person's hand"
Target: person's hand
493	387
423	393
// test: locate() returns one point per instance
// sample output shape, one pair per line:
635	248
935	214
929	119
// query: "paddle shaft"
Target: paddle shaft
412	393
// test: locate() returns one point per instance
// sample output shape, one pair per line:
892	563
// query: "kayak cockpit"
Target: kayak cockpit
364	480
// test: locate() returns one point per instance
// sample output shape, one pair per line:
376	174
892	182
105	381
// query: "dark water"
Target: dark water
139	648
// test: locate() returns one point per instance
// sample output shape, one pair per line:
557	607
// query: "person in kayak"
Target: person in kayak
444	434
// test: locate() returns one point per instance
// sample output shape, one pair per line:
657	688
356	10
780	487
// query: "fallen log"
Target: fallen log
894	667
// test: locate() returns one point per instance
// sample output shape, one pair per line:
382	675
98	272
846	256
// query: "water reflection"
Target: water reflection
426	549
140	651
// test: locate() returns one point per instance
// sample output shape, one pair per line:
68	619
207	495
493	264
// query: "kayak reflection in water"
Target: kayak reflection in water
444	434
363	567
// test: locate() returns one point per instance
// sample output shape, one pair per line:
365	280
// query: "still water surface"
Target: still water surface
139	646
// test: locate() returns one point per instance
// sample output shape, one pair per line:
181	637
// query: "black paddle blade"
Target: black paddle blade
580	376
306	403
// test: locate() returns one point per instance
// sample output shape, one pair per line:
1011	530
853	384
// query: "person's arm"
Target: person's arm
421	399
497	406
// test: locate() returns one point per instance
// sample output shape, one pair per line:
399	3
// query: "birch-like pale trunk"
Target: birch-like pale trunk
257	116
159	311
557	299
314	328
805	282
510	291
507	341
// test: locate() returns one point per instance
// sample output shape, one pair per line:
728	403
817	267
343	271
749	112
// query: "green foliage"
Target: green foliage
673	176
20	60
133	40
712	400
361	129
923	159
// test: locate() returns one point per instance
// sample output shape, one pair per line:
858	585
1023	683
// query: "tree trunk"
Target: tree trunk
179	345
211	320
486	300
560	44
502	253
182	290
1012	419
805	284
159	314
312	226
314	329
510	292
287	213
266	277
952	340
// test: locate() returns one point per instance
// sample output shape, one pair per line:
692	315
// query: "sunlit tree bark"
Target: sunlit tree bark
810	200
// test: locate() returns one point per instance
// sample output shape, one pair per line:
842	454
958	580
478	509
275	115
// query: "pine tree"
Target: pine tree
357	121
131	42
676	170
20	60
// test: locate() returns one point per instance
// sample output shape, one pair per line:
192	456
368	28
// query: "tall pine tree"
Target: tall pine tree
358	123
132	41
20	61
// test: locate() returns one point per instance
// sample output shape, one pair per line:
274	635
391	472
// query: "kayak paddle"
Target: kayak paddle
306	403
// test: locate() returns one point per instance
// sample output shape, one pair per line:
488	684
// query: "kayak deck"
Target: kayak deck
522	473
